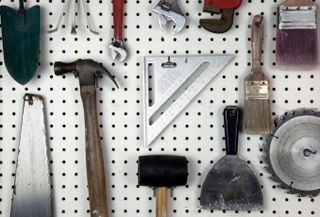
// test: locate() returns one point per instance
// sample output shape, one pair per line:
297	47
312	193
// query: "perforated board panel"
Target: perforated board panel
197	133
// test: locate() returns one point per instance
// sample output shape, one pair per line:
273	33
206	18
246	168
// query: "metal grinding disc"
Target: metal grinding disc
293	152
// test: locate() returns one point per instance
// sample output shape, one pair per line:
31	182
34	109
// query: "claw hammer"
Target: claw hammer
88	71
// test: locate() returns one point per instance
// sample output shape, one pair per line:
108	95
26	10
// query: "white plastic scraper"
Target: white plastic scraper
170	83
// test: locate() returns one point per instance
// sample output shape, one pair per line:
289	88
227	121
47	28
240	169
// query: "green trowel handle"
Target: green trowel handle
21	4
231	126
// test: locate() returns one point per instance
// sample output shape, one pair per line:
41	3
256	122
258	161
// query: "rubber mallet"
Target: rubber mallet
162	172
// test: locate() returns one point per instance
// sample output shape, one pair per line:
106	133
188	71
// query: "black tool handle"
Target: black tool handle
231	126
61	68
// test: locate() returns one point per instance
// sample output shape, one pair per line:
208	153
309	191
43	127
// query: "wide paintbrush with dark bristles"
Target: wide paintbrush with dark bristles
297	40
257	95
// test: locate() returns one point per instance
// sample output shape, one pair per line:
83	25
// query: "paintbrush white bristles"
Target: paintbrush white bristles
258	116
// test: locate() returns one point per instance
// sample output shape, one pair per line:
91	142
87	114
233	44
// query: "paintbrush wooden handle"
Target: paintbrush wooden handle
256	43
298	3
94	154
162	201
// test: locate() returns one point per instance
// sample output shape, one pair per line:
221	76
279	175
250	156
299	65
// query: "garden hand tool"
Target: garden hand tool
117	46
231	184
225	8
292	152
76	6
21	41
169	10
63	12
32	187
162	172
88	71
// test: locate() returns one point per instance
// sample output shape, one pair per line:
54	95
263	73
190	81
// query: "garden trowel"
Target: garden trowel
21	41
32	187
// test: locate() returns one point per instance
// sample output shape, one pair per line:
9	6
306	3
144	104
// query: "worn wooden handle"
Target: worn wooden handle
298	3
162	201
257	43
94	154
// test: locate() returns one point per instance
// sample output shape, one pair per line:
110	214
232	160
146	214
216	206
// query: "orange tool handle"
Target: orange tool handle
223	4
118	19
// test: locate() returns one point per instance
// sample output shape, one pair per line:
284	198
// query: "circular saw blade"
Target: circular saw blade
292	152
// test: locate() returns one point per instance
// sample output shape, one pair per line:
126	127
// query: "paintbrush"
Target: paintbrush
257	97
297	40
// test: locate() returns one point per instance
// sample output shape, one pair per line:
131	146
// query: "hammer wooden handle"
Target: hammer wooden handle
94	154
162	201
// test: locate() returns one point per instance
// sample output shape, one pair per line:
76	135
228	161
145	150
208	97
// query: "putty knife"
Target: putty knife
32	189
171	83
231	184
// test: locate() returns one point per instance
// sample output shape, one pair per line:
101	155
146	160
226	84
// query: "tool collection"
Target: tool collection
170	84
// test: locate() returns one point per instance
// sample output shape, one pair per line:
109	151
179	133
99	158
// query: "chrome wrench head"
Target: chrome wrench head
168	10
118	50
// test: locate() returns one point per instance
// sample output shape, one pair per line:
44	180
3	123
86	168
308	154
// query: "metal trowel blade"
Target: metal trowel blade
32	190
231	185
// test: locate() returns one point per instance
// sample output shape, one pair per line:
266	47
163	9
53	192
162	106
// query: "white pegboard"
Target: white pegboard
197	133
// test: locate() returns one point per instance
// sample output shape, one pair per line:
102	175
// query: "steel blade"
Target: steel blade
292	152
231	185
32	191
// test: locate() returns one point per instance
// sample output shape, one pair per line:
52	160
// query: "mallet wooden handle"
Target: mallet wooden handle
162	202
94	154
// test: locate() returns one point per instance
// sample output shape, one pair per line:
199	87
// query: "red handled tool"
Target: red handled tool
117	46
225	8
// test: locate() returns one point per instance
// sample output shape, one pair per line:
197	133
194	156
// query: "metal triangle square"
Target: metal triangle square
170	83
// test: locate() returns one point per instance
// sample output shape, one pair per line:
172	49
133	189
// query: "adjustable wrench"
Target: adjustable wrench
117	45
169	10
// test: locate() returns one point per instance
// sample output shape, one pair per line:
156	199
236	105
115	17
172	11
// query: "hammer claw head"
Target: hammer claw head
87	70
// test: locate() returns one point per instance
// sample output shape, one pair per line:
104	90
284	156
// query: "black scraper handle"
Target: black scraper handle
231	126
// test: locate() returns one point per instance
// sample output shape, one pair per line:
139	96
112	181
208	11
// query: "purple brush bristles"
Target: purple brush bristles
297	48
